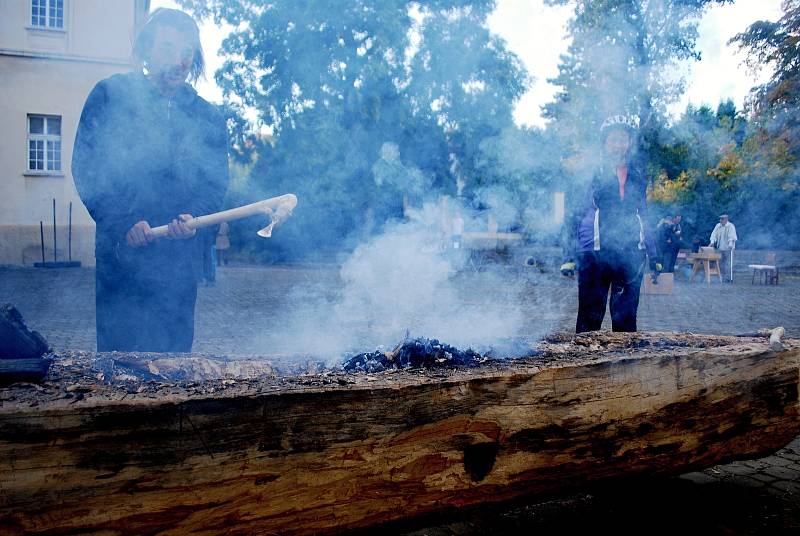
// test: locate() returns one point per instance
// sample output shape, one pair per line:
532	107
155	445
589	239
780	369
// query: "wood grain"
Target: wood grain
302	456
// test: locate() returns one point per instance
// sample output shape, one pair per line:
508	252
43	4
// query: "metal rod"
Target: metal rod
69	249
41	235
55	250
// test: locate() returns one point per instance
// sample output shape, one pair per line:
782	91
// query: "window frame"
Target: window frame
48	16
49	146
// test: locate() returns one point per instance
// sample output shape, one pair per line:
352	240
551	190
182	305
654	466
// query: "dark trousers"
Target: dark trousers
669	258
143	315
210	263
725	264
601	271
222	257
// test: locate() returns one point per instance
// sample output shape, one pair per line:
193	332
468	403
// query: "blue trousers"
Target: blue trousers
609	276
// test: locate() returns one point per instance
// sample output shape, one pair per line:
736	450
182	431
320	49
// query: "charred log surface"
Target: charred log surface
116	367
21	350
333	451
415	353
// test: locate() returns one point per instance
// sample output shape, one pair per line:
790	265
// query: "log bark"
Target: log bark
332	452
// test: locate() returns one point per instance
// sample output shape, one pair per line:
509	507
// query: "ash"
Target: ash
414	353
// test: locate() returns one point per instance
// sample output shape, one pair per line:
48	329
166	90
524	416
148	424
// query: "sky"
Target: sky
537	34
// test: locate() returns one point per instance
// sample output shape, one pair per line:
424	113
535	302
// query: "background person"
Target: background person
608	234
223	243
662	234
209	260
723	239
150	151
670	241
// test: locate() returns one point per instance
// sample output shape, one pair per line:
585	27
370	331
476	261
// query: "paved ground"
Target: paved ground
246	311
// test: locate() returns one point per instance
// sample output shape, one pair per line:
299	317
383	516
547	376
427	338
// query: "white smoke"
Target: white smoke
409	281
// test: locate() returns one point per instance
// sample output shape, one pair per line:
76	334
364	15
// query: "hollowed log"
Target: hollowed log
325	453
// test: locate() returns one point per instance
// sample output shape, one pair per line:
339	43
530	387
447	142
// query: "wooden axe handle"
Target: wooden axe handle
265	206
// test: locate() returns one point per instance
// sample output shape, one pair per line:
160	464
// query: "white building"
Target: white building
52	52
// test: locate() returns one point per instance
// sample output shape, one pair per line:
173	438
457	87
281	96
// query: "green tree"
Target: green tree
341	83
699	165
771	196
774	45
620	61
464	79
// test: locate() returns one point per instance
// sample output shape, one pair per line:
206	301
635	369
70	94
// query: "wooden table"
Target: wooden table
708	261
478	244
490	240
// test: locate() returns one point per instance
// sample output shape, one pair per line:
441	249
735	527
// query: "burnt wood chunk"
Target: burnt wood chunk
16	340
331	452
21	350
23	370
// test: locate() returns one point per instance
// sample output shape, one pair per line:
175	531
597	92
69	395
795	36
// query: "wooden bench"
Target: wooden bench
767	272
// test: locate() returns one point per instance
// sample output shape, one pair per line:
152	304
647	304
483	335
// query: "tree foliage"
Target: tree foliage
772	148
711	163
372	102
775	45
343	84
621	61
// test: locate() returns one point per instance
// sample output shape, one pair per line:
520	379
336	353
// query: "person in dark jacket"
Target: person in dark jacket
149	151
669	238
607	236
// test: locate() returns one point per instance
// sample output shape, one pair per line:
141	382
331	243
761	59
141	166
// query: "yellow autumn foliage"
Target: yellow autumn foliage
670	191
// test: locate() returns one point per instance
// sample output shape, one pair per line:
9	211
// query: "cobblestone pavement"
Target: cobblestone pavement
244	312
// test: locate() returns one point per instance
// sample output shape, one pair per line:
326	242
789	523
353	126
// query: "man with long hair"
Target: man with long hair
149	151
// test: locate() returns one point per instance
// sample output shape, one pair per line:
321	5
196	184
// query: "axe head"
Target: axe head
276	217
266	232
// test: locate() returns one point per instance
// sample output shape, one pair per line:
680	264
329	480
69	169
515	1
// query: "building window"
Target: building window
47	13
44	143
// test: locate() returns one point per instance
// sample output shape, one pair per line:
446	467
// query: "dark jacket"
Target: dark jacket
669	236
621	223
142	156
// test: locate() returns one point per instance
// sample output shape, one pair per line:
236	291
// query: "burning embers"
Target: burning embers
414	353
